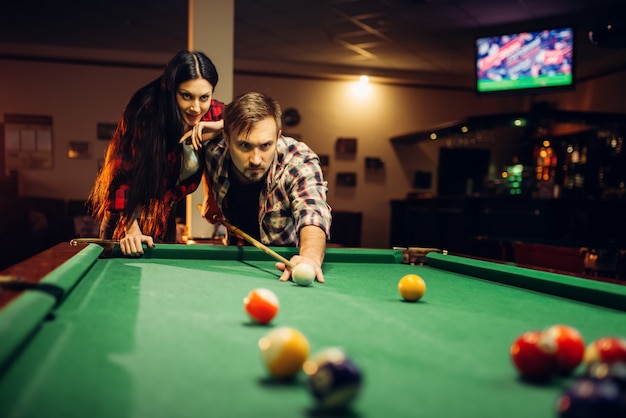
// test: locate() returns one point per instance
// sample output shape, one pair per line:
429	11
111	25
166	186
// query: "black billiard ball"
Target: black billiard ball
334	379
615	371
589	397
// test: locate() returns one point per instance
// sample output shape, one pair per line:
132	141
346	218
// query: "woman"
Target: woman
152	163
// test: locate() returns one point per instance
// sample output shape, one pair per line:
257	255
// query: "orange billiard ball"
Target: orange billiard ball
411	287
261	305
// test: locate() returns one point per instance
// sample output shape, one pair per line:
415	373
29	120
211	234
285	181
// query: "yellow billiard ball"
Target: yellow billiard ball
284	350
411	287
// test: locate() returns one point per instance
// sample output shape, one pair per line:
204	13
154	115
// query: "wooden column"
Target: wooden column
212	31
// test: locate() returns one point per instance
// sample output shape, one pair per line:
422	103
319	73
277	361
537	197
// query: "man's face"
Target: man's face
253	154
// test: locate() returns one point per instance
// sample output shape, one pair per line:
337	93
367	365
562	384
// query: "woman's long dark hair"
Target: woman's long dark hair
150	127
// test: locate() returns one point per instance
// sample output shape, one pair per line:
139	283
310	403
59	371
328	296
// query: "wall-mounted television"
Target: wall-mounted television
526	61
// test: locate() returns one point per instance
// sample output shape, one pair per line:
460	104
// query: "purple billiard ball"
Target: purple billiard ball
605	370
334	379
590	397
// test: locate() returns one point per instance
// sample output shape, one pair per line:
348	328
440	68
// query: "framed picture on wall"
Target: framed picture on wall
374	169
346	179
78	149
346	147
105	131
28	141
374	165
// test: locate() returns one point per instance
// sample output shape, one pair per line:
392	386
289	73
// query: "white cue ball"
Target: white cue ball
303	274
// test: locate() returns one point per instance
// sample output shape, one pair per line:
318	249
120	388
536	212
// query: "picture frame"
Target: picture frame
28	142
105	131
346	147
78	150
374	165
374	169
346	179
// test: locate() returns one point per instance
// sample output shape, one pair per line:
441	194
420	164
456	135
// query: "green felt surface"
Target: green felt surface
599	293
166	336
19	321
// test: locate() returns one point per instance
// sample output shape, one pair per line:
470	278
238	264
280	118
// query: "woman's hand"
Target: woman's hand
131	243
201	132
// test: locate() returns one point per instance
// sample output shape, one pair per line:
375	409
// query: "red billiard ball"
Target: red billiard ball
284	350
570	346
411	287
533	356
606	350
334	379
261	305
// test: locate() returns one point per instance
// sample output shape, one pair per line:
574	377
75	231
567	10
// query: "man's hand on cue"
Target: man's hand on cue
295	260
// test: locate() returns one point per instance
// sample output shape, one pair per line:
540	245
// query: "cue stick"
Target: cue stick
107	244
253	241
99	241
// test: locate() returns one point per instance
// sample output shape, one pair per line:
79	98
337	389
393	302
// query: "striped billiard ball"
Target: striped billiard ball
284	350
261	305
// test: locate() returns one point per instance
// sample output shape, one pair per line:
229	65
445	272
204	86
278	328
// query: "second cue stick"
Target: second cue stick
255	242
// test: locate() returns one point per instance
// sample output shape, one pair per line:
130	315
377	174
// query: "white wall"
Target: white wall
79	96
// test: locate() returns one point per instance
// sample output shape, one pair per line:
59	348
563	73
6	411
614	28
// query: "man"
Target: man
269	186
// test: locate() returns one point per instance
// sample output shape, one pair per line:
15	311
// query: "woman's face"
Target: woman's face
194	99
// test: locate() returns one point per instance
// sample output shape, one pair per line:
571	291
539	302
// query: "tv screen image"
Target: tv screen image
525	60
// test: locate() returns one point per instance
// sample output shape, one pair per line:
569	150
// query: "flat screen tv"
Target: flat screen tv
525	61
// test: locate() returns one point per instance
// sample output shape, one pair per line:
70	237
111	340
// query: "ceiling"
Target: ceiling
391	38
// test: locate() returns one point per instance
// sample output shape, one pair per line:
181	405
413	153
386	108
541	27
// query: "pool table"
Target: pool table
87	332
